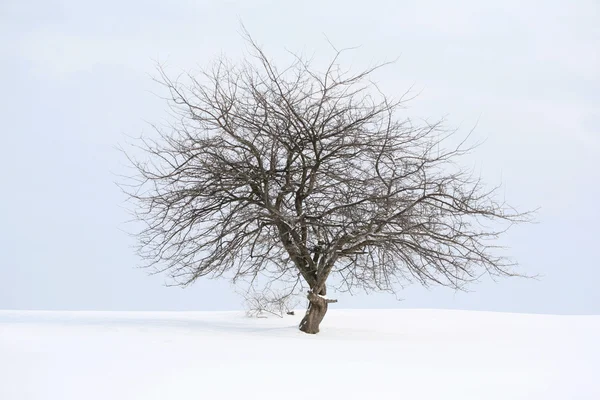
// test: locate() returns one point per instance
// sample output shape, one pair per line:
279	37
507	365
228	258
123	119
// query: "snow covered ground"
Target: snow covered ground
360	354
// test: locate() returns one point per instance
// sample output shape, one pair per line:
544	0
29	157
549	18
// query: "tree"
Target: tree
299	176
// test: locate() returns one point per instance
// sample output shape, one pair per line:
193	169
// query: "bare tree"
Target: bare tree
267	301
299	175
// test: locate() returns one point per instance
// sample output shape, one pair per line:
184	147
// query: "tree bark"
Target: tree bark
317	308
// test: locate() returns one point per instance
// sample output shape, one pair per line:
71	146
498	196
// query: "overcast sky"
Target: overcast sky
76	78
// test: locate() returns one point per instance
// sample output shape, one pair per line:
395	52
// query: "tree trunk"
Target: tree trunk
317	308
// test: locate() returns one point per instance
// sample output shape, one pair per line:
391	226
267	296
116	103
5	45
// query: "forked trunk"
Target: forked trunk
317	308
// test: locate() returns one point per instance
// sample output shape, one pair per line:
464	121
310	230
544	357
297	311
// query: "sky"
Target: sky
77	78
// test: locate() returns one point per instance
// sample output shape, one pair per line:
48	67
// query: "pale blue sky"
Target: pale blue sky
75	78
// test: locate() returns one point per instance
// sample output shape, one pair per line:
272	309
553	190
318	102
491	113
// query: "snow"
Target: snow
359	354
327	299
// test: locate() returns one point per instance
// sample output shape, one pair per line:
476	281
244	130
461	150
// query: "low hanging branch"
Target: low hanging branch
299	176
